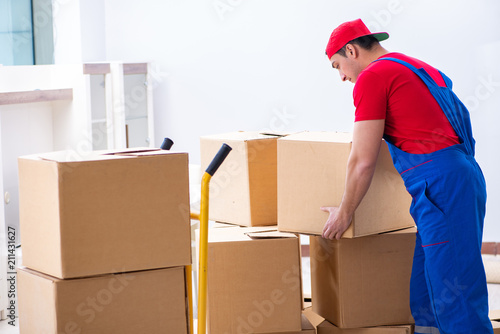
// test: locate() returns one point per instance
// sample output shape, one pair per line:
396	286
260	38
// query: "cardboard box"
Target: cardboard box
104	212
243	191
324	327
496	327
152	301
494	315
307	328
254	281
363	282
311	174
495	321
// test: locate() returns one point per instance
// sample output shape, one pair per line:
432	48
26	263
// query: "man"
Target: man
411	105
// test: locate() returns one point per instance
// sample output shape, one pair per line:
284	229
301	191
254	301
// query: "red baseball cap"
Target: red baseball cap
348	31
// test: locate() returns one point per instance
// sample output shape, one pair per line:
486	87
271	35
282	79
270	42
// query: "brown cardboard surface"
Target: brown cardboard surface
496	327
152	301
254	285
307	328
244	190
324	327
494	315
312	316
327	328
495	320
107	213
311	173
364	281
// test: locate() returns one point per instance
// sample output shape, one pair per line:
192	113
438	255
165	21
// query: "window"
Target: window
26	33
16	33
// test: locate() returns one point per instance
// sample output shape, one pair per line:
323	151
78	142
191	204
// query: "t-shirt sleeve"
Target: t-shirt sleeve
370	97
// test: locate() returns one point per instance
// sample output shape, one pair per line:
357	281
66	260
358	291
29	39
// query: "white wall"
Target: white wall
225	65
93	34
67	31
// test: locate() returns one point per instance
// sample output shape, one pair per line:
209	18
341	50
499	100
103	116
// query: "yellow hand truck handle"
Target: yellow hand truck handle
202	271
203	218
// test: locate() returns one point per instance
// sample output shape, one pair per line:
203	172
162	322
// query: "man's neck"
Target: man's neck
377	52
374	54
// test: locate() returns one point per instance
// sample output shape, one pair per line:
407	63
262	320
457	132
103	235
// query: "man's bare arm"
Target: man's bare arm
367	137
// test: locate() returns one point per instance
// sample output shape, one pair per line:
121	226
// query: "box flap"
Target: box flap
229	234
313	317
318	136
131	150
306	324
269	235
412	230
275	134
73	156
38	274
222	225
246	228
149	153
239	233
240	136
257	229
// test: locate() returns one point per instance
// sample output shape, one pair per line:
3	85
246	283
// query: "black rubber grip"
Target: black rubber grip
167	144
219	159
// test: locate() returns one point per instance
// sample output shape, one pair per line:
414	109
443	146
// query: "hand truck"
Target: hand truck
203	218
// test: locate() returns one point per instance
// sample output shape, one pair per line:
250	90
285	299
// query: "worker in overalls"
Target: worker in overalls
411	105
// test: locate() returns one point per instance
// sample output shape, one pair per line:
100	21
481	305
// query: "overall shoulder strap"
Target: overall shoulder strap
455	111
422	73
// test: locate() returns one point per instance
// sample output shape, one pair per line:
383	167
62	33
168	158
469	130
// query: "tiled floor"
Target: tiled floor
493	290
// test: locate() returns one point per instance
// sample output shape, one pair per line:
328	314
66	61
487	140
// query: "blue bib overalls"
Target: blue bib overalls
448	291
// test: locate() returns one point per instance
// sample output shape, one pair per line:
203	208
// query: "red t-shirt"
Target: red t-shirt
414	121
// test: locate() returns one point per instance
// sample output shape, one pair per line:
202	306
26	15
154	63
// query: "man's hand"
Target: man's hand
336	224
366	141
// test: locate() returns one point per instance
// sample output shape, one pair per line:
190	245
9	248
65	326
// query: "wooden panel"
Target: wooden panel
96	68
36	96
304	250
137	68
489	248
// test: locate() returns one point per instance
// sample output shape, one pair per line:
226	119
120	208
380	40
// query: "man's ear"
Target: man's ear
351	51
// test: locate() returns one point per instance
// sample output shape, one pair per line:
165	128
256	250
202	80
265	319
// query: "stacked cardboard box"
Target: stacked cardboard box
496	327
361	280
254	275
105	240
356	282
495	321
254	281
312	173
244	190
324	327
